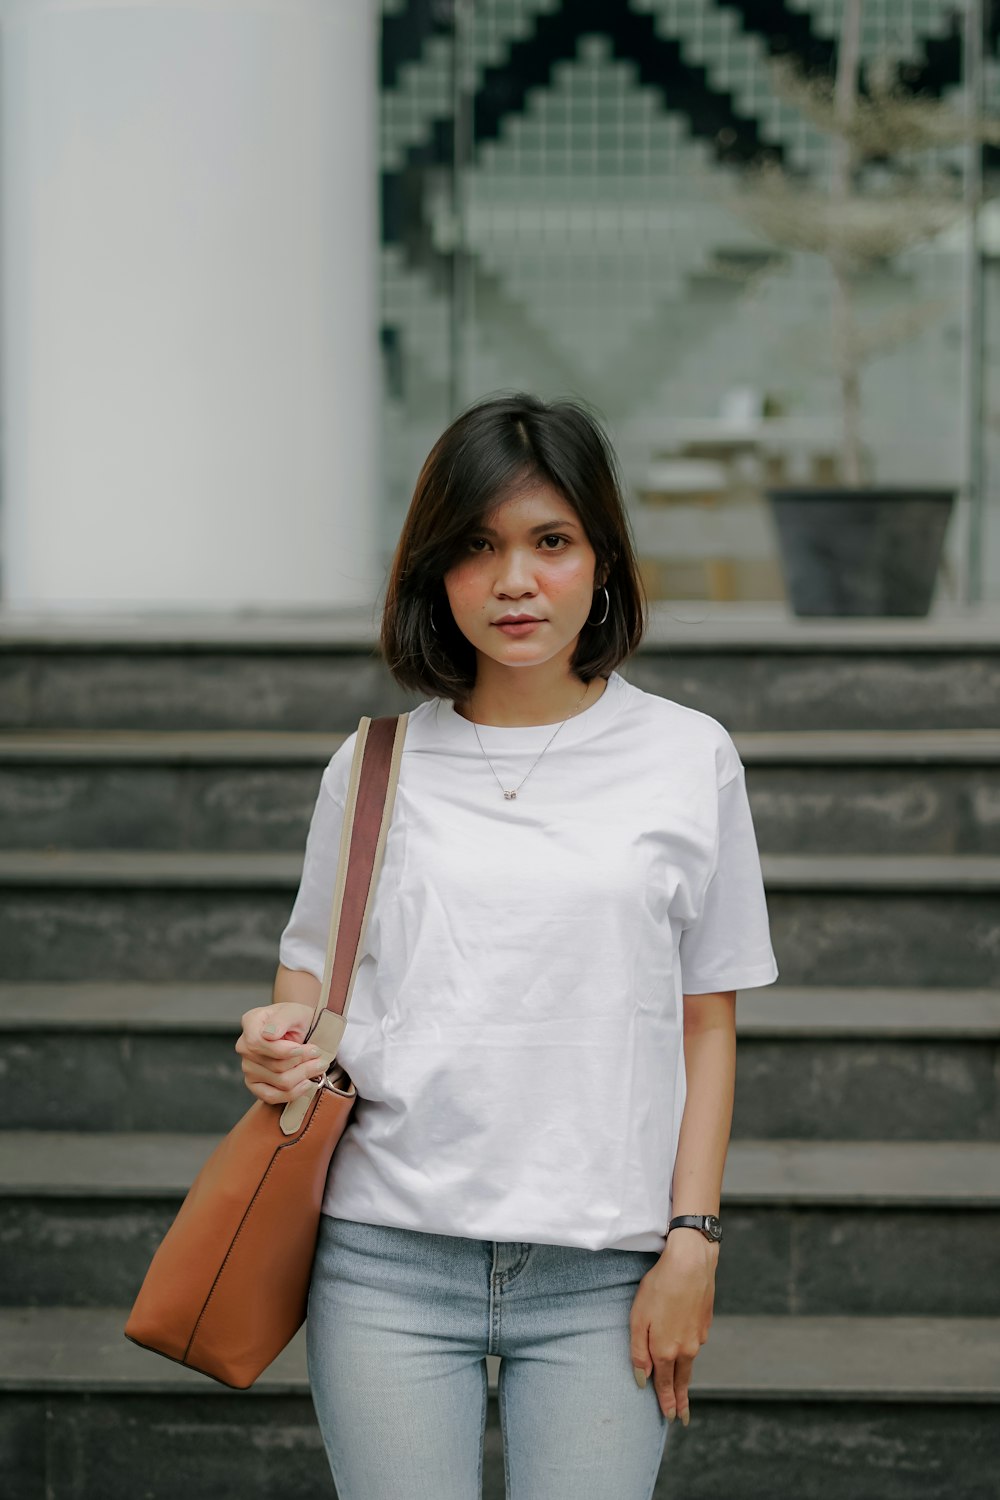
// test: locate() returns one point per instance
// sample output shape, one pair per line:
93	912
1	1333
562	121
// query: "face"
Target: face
531	557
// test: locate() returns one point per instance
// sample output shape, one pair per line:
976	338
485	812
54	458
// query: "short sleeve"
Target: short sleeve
728	945
302	945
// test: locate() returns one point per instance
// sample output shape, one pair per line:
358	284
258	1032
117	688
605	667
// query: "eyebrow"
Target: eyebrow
535	530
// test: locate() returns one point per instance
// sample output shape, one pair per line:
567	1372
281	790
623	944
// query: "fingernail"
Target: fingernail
269	1031
296	1055
640	1376
314	1052
671	1414
685	1417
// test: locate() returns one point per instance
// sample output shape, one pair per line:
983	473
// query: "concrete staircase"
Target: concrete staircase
154	800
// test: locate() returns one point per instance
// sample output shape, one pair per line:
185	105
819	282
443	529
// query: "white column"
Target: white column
189	259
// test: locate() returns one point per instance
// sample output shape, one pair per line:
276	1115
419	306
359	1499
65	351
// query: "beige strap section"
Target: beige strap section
327	1026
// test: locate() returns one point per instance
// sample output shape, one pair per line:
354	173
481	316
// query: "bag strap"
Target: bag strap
371	793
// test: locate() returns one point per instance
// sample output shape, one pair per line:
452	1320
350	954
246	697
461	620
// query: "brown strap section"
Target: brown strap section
375	769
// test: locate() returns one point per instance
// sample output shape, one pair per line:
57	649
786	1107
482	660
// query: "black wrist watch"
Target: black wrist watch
710	1226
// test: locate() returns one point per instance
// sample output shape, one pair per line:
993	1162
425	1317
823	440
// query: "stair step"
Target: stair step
317	685
855	1013
65	1164
911	1063
275	747
890	872
771	1011
162	868
85	1349
821	1062
869	747
909	793
177	915
177	747
793	1359
843	808
151	869
132	1009
878	1408
753	673
869	1174
814	1227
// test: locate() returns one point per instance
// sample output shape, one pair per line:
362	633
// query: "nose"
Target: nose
515	576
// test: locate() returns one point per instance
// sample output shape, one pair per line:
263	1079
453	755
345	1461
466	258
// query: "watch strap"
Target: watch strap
702	1222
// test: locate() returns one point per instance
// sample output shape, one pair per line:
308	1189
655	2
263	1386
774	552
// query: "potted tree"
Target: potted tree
861	548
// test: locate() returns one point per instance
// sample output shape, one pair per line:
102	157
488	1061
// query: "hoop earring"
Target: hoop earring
607	607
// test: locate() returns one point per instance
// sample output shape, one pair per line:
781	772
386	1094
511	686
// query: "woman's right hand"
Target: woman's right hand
277	1064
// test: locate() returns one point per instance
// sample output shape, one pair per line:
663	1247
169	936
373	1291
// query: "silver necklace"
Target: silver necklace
510	795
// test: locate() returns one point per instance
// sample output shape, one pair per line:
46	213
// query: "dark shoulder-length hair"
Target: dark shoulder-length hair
488	454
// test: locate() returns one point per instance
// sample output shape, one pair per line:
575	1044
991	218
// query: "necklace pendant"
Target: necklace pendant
511	795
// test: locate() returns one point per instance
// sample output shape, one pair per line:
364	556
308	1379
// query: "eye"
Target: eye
564	541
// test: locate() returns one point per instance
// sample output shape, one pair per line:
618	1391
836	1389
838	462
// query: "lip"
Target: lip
519	620
517	627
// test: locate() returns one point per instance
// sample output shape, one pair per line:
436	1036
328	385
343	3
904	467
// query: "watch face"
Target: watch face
714	1226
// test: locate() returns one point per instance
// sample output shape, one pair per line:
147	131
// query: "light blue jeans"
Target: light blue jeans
398	1329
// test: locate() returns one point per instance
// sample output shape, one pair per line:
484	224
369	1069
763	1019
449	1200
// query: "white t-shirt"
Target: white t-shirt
516	1028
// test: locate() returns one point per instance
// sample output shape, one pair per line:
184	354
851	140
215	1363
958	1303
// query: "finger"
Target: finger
288	1081
682	1385
265	1024
285	1083
255	1020
271	1095
663	1381
259	1016
283	1047
285	1080
293	1056
275	1022
249	1045
642	1364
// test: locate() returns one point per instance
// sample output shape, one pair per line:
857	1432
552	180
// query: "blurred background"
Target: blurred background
255	255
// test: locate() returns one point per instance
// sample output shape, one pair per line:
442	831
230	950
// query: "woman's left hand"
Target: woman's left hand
671	1316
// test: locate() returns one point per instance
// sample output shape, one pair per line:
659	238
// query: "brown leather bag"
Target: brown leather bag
227	1288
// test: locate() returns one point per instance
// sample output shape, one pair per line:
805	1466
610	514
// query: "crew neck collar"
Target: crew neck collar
578	727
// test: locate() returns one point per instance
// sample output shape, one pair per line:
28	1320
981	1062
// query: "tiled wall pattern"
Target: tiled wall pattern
894	25
603	259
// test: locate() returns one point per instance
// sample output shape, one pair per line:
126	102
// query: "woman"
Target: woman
542	1030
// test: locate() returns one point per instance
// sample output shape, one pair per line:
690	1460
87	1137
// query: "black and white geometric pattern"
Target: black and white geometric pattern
605	136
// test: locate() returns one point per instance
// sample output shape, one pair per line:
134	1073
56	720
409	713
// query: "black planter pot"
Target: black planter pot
862	551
